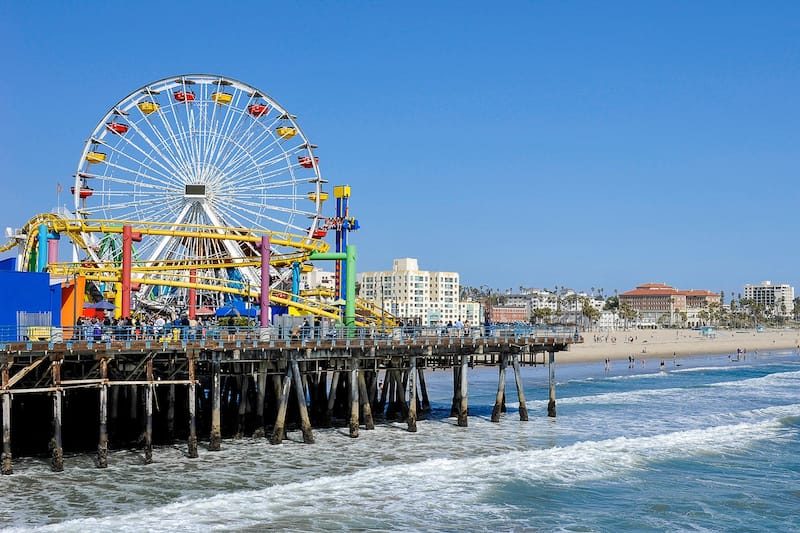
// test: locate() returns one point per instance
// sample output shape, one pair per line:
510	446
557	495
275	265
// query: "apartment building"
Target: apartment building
425	297
776	299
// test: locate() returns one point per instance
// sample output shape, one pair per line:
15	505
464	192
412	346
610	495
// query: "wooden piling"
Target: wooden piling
456	389
215	440
57	453
192	444
523	407
240	421
171	413
501	389
148	414
551	367
331	398
364	399
354	397
463	410
261	385
102	445
7	467
412	396
305	422
423	389
279	429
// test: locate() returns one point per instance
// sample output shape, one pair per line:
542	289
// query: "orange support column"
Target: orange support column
128	237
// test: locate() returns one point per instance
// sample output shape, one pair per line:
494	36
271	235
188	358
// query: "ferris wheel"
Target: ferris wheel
198	150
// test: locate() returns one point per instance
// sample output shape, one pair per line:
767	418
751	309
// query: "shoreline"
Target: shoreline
667	343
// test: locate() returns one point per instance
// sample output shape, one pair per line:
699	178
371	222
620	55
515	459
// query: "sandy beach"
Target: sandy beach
666	343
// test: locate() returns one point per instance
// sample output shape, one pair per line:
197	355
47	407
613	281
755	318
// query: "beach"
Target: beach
666	343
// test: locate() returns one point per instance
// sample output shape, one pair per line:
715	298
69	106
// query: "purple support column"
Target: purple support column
264	300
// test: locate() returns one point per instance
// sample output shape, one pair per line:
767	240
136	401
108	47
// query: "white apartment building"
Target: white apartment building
777	299
318	278
430	298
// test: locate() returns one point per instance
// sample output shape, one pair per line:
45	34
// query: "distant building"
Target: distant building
509	313
429	298
776	299
660	304
318	278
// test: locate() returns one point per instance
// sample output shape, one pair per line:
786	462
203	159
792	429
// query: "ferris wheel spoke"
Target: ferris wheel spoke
166	162
154	183
249	144
164	173
165	133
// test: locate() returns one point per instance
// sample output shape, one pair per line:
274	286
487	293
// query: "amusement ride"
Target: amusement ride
199	192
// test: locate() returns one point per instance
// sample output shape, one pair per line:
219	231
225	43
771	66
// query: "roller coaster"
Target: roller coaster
193	174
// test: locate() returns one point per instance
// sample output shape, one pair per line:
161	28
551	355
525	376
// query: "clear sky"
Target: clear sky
540	143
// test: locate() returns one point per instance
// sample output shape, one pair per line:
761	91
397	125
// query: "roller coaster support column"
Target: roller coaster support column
192	293
350	295
128	237
264	298
52	247
47	250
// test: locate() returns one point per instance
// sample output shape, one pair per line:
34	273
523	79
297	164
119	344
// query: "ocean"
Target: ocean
707	444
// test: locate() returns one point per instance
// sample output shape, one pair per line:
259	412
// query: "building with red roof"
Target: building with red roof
660	304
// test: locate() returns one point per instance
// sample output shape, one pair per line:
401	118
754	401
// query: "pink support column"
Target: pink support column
52	251
128	237
264	299
192	293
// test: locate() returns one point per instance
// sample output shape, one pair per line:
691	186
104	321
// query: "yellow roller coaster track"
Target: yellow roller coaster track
75	229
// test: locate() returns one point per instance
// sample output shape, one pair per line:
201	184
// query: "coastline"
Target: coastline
666	343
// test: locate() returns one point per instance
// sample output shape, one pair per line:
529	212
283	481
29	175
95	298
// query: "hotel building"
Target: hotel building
425	297
660	304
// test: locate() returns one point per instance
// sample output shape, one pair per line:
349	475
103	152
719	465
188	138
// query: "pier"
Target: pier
135	392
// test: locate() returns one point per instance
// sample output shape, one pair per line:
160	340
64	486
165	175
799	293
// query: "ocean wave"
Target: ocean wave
433	488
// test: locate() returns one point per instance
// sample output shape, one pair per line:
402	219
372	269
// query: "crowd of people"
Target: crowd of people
155	327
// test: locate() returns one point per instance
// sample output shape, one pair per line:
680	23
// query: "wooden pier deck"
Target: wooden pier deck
133	392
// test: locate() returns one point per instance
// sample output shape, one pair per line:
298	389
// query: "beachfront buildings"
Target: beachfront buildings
776	299
658	304
424	297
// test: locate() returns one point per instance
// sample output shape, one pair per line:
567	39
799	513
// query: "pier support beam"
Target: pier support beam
551	367
523	407
463	409
148	414
300	393
261	385
354	397
171	413
332	398
102	445
215	440
7	467
57	457
279	430
423	389
192	444
501	389
364	399
412	396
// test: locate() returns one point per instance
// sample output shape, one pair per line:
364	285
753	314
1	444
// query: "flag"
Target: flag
59	188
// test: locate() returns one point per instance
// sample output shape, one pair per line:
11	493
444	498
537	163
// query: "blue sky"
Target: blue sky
587	144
